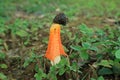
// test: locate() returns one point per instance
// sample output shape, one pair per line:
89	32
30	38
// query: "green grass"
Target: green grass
24	28
89	7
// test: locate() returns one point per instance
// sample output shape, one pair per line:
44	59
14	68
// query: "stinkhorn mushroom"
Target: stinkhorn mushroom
55	48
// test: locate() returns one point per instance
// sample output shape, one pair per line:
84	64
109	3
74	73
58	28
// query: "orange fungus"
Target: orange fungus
55	48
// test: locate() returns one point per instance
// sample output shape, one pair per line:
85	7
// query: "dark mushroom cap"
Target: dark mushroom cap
60	19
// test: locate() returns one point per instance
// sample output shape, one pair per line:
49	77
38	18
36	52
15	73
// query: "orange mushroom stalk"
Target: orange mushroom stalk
55	48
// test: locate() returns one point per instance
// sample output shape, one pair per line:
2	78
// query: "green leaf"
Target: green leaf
100	78
3	77
1	41
77	48
116	67
92	79
86	45
73	67
37	76
2	55
30	59
21	33
40	75
52	73
119	39
61	71
84	55
62	63
99	32
105	63
45	40
117	54
26	63
85	30
3	66
104	71
94	48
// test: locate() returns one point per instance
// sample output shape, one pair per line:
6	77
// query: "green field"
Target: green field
91	39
